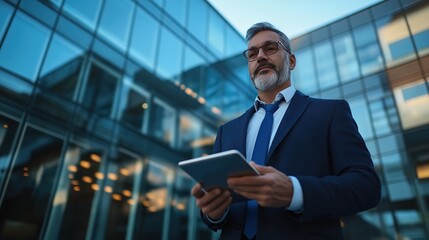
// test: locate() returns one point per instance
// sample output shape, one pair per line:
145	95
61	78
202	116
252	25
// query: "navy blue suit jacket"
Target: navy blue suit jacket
317	142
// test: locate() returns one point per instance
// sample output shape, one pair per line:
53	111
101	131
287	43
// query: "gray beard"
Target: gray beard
266	83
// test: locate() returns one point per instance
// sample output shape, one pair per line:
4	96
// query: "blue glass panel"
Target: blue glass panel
197	19
83	11
5	14
23	48
194	66
216	33
115	22
422	40
177	10
144	39
369	53
401	48
170	56
325	65
415	91
346	57
235	43
361	115
303	76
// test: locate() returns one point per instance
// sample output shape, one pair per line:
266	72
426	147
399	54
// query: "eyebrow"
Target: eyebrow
268	41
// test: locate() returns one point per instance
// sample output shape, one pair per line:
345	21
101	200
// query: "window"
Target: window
325	65
134	105
369	53
395	40
197	19
85	12
303	76
412	100
30	186
162	122
216	33
170	56
144	39
420	28
100	89
23	48
5	16
61	69
177	10
115	22
346	57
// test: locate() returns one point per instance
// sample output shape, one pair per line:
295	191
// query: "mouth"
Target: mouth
264	67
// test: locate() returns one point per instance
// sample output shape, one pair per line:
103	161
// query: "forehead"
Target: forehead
262	37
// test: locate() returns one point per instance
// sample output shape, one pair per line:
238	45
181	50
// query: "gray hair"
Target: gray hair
264	26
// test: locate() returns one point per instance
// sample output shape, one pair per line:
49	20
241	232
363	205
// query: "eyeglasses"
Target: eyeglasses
268	48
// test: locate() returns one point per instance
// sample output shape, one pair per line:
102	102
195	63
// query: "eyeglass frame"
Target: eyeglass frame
266	43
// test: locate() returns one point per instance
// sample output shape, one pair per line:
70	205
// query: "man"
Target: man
316	169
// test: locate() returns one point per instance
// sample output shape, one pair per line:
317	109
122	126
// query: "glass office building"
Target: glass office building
100	99
378	60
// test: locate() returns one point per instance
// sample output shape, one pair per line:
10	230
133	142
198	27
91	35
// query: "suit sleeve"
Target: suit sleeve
353	185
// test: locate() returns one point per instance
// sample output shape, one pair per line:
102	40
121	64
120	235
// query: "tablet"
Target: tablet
212	171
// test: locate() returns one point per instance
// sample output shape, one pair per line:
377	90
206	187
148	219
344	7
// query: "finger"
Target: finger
197	191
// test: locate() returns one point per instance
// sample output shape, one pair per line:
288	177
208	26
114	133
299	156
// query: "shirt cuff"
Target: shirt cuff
297	202
217	221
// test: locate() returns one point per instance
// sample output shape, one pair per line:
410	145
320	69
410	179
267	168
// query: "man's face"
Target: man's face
269	71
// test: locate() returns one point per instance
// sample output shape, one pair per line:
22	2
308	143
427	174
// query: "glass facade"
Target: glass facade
99	100
378	60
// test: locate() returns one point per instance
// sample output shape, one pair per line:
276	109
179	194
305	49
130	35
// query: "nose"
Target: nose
261	55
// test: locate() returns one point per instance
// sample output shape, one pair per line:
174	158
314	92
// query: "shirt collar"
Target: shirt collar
286	93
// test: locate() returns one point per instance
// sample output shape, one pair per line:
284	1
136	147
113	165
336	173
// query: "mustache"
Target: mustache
263	65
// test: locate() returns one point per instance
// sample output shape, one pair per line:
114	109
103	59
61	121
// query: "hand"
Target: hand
213	203
271	189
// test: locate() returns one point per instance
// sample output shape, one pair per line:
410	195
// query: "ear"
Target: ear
292	61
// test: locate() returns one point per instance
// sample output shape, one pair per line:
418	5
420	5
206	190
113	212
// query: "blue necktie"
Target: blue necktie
260	152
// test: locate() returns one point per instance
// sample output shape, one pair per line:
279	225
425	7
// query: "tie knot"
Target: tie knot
270	107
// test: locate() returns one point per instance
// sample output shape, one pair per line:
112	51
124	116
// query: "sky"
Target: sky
293	17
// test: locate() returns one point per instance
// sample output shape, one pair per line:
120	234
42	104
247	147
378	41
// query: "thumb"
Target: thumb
261	169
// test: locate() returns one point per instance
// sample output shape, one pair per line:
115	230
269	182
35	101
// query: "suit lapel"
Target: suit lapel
297	106
241	129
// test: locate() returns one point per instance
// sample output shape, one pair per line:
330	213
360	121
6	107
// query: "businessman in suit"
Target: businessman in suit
314	170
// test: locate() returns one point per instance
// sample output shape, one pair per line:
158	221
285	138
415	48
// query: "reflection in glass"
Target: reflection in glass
412	101
23	47
30	186
162	122
181	202
170	56
361	115
419	26
216	33
85	12
115	22
154	201
113	223
61	68
100	97
303	76
193	70
395	40
325	65
5	14
189	131
346	57
369	53
197	19
177	10
144	39
80	181
234	44
134	104
8	128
